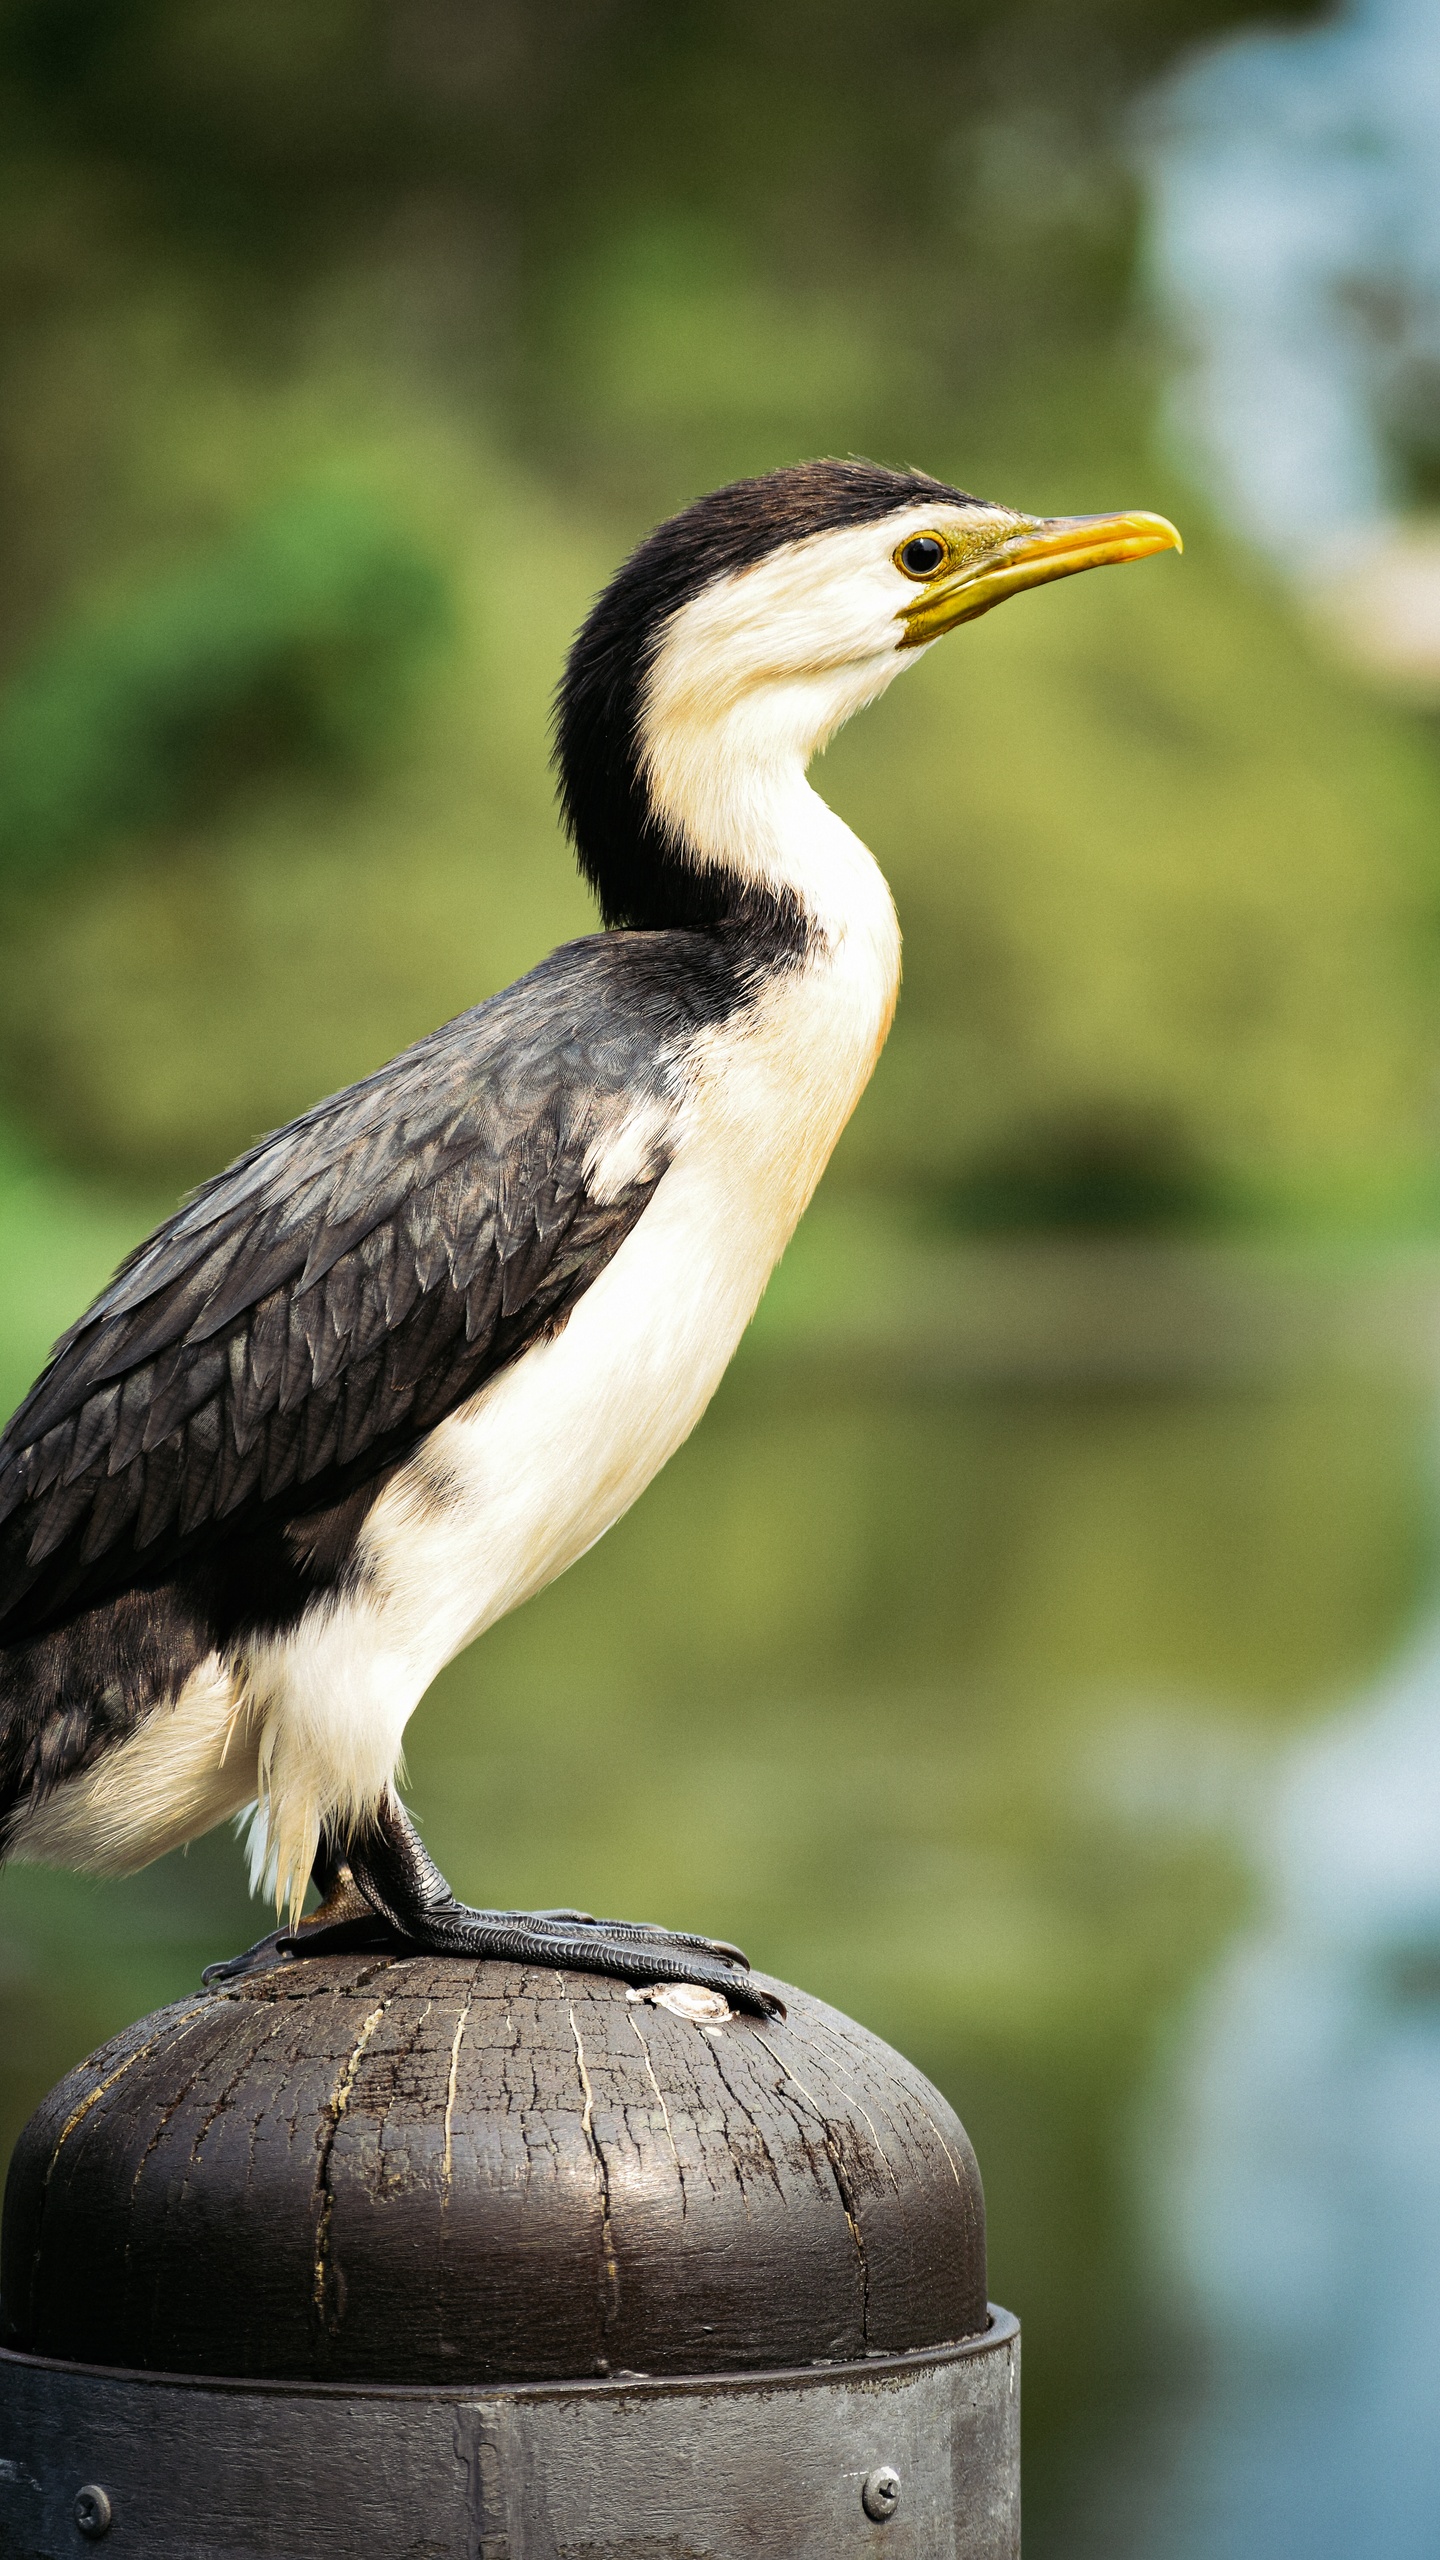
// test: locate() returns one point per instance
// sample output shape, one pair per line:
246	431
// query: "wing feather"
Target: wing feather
289	1333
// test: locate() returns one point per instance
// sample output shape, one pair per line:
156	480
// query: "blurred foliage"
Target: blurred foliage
503	283
287	644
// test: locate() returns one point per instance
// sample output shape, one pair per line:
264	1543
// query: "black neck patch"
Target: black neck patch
641	871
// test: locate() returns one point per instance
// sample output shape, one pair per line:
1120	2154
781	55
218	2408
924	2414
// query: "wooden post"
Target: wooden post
404	2256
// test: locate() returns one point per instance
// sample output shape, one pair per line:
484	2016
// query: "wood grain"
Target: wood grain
427	2171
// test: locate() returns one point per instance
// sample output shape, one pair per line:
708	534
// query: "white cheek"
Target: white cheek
808	613
807	628
756	674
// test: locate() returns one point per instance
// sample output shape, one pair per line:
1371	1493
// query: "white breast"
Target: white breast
553	1450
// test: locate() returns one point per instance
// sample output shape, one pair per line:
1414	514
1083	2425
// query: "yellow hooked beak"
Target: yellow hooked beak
983	569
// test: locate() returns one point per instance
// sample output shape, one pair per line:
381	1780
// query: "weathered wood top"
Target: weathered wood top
429	2171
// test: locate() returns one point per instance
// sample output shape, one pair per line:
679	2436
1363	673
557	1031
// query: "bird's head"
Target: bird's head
741	633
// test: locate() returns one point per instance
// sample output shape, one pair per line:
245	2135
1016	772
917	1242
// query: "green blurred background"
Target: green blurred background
1079	1452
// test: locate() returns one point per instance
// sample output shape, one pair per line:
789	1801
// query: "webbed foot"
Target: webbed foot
641	1956
384	1891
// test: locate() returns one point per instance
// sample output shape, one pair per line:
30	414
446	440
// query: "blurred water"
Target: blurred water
1300	2216
1292	2152
1295	242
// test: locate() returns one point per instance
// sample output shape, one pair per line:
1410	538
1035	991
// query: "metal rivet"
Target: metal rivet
93	2513
881	2494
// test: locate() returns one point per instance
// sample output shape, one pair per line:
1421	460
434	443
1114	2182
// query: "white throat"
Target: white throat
734	707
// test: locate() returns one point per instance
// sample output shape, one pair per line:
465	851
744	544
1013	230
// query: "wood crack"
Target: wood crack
161	2127
339	2100
93	2096
664	2110
610	2285
752	2121
447	2156
861	2110
849	2201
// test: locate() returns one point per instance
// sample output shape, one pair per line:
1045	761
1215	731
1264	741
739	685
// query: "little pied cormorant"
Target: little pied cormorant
409	1357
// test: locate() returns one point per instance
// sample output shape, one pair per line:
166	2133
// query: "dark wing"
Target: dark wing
301	1321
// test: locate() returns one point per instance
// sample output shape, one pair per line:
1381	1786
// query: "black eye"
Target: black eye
921	556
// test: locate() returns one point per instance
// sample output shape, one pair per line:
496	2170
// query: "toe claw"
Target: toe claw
761	2004
234	1968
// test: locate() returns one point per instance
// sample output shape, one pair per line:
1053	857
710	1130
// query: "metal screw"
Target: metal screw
93	2513
880	2495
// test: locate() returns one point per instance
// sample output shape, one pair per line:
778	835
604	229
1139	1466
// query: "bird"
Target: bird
384	1378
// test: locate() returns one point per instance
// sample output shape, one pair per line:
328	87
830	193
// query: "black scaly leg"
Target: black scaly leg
385	1890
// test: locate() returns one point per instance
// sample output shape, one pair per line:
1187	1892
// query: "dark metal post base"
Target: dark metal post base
913	2457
